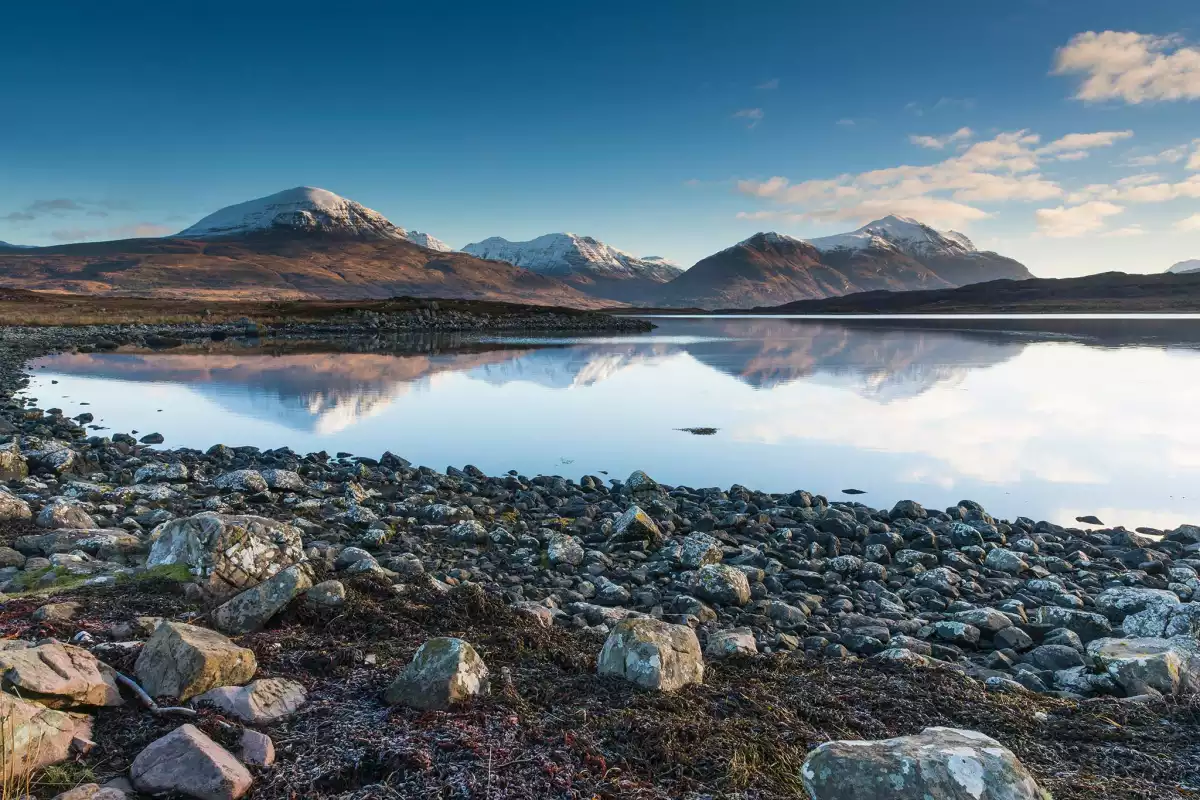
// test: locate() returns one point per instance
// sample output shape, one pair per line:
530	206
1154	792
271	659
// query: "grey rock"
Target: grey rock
252	609
652	654
183	661
188	762
261	702
443	673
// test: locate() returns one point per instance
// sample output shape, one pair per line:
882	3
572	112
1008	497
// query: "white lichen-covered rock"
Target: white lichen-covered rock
1087	625
1005	561
51	454
247	481
261	702
936	764
158	472
183	661
721	583
253	608
1164	621
227	554
13	507
1169	666
635	525
731	642
64	512
1120	602
652	654
101	543
444	672
564	549
641	483
283	480
188	762
902	655
36	736
327	594
59	676
699	549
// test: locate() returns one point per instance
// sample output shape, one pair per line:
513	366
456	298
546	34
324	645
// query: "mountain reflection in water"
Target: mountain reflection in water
1027	418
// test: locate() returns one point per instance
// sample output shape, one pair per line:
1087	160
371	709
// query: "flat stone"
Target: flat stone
1170	666
59	676
188	762
936	764
731	642
261	702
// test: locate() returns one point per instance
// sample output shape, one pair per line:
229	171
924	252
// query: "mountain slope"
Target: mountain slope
1184	267
893	254
300	243
591	265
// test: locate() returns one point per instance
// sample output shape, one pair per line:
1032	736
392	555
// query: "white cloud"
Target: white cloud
1172	155
1139	189
1191	223
1085	141
1128	230
846	122
771	84
1130	66
1063	221
939	142
755	115
949	192
1072	155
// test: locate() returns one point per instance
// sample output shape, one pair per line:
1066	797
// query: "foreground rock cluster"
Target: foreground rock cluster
665	581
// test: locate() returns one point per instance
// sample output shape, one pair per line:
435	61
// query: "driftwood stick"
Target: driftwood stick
148	701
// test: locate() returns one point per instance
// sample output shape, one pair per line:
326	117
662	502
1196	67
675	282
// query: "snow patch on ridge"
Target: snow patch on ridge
1184	267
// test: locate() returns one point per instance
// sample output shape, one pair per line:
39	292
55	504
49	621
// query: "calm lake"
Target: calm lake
1050	419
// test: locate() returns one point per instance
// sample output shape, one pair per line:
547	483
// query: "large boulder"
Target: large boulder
13	507
102	543
58	675
562	548
635	526
183	661
1170	666
1120	602
36	736
251	609
698	549
13	466
1164	621
443	673
63	512
51	455
158	472
227	554
262	702
189	763
248	481
652	654
731	642
721	583
936	764
1087	625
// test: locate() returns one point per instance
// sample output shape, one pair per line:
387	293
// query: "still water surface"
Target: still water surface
1049	419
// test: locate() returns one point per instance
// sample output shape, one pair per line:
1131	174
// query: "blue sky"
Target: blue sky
672	128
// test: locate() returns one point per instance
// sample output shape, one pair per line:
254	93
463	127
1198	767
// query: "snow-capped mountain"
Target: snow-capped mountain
305	209
562	254
428	241
893	254
903	234
1191	265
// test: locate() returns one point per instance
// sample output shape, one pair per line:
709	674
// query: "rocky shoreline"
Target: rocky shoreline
359	627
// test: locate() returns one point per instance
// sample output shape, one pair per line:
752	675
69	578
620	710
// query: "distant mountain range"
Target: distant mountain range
1183	267
590	265
311	243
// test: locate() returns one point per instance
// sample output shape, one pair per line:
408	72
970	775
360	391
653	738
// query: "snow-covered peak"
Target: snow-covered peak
769	237
568	253
903	234
427	241
1191	265
305	209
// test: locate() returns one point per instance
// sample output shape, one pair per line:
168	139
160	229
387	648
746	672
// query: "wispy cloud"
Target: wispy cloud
62	206
773	83
754	115
1127	231
1129	66
136	230
1067	222
949	192
846	122
940	142
1191	223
